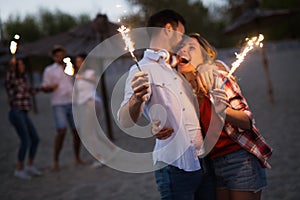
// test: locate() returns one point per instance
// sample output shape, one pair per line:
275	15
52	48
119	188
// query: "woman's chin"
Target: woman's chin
185	67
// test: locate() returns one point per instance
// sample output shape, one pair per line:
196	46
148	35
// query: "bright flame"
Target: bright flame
128	43
14	45
17	36
69	70
255	41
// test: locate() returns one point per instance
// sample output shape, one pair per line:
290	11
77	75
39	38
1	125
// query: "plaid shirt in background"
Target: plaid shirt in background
251	140
18	91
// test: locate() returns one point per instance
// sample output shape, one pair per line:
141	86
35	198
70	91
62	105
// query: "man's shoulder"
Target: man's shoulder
51	67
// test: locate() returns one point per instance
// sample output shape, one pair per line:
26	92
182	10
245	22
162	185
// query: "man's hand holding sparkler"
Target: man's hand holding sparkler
140	86
132	110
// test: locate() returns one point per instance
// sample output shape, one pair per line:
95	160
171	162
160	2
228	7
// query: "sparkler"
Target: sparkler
255	41
128	44
69	70
14	45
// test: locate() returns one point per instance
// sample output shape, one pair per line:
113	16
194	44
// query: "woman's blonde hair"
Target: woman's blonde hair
210	50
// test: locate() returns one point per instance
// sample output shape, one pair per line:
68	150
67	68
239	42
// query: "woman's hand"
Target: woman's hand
161	133
205	78
220	100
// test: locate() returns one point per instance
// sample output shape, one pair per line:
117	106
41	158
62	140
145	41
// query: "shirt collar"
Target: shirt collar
161	55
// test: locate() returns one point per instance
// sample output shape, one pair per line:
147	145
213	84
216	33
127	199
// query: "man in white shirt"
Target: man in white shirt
179	174
61	87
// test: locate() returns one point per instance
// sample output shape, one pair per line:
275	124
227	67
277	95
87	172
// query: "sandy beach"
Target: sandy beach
279	123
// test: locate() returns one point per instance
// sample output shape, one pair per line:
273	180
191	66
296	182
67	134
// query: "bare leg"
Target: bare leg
58	143
76	146
244	195
222	194
20	165
30	162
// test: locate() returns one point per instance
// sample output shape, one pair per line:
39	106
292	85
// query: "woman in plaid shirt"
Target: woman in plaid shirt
237	151
19	95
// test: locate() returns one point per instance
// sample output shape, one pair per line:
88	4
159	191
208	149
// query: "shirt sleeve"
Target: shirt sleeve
237	99
47	79
9	83
128	92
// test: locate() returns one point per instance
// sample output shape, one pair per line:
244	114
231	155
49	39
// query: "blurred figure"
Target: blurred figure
60	85
88	102
19	95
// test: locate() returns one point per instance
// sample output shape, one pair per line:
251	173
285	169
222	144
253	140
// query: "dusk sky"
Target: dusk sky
113	8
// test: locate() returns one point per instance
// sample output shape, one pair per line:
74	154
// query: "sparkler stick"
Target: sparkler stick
128	44
255	41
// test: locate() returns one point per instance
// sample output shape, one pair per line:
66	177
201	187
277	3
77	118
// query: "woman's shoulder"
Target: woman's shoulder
222	65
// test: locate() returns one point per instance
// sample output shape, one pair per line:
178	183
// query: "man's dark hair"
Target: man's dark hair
161	18
57	48
82	55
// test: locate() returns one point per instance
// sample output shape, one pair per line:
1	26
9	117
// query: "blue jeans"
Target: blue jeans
176	184
26	132
63	116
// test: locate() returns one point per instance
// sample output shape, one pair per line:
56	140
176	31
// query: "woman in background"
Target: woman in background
19	95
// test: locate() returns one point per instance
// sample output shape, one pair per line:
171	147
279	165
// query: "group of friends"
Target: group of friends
19	92
208	147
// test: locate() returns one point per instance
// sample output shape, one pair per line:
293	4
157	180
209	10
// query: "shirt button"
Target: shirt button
183	109
163	84
175	78
180	92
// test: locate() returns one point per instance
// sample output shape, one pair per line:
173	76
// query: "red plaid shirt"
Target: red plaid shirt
18	91
251	140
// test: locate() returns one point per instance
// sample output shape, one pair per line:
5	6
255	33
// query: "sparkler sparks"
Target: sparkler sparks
69	70
255	41
14	45
128	43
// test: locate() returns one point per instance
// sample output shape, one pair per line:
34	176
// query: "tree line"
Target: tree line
210	22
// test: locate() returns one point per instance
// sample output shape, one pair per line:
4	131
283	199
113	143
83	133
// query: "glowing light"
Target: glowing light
17	36
14	45
251	43
128	43
255	41
69	70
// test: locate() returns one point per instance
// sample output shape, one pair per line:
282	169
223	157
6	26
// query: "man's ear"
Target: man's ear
168	29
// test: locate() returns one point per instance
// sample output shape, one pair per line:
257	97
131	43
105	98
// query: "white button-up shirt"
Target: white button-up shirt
172	101
54	74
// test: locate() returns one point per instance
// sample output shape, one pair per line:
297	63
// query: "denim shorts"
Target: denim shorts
240	171
63	115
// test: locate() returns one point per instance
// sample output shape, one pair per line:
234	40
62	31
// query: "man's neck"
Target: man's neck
158	43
